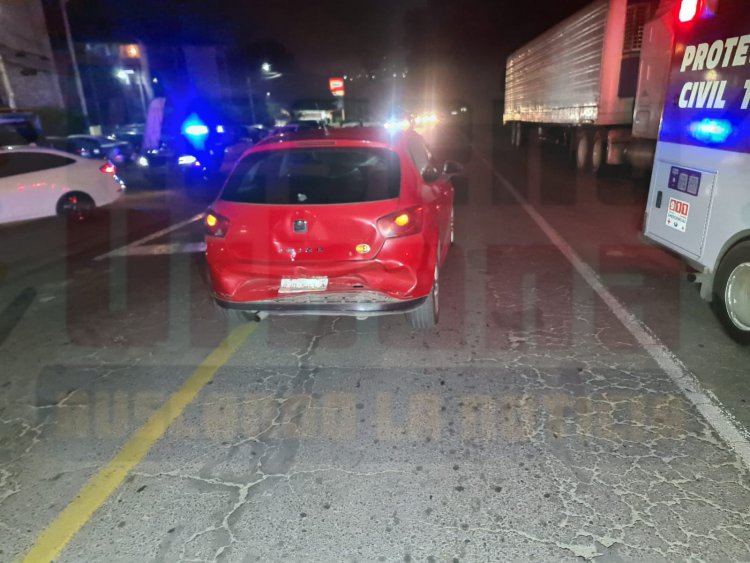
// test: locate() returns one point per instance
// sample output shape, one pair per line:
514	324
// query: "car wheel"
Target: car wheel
238	317
76	205
517	137
732	293
426	316
583	148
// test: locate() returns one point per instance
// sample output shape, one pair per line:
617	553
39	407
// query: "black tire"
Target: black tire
569	140
237	317
583	150
426	316
599	153
517	137
78	206
732	293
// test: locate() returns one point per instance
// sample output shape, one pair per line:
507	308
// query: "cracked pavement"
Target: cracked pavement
529	426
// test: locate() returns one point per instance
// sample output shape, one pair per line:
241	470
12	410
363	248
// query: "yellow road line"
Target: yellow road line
100	487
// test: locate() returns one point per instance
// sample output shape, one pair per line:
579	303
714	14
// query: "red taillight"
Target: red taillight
688	10
401	223
108	168
216	225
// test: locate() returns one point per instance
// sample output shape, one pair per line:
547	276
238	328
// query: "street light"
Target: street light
267	72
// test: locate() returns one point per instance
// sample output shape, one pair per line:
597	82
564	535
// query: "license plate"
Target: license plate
301	285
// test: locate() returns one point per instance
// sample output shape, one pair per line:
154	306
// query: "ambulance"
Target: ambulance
699	197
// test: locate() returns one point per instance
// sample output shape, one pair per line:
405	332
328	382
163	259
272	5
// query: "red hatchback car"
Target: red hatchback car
352	221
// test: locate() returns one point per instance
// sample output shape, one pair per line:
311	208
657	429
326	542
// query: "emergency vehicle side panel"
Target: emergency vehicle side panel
679	202
703	153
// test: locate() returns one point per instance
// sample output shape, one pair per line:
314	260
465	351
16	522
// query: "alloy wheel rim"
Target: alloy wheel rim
737	296
75	207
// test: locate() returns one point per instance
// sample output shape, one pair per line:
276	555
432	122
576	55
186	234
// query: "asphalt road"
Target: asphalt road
578	400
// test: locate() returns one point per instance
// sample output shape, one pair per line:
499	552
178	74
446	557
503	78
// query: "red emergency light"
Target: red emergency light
689	9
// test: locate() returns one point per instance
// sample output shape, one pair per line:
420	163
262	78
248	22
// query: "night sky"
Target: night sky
331	34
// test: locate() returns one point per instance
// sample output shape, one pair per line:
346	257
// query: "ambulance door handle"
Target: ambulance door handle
658	200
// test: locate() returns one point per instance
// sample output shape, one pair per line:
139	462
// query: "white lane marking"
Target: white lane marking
730	430
128	248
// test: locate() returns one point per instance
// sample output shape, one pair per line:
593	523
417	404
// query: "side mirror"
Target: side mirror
451	168
430	174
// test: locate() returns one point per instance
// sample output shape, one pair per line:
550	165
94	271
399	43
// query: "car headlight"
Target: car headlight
397	124
142	161
186	160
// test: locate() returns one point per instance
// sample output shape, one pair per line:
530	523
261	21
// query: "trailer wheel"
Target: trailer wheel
569	142
599	153
732	293
583	150
516	134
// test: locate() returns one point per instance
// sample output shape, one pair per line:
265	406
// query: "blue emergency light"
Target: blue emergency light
714	131
195	130
188	160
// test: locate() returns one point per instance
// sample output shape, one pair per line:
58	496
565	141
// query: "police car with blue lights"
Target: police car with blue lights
699	198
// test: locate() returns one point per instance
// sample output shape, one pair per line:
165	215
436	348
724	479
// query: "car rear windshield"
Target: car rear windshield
315	176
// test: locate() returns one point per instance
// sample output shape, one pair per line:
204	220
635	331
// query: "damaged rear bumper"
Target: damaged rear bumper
356	304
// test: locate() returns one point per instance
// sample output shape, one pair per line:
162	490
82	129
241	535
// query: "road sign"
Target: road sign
336	86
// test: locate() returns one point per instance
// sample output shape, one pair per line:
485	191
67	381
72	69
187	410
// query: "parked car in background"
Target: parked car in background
209	165
41	182
351	221
19	128
132	133
297	127
237	142
91	146
156	165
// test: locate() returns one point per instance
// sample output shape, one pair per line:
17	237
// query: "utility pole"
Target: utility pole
252	102
74	60
7	85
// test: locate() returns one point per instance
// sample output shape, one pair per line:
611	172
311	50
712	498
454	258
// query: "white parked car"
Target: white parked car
37	182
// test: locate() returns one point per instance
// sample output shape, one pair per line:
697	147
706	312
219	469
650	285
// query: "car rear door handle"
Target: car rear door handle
658	200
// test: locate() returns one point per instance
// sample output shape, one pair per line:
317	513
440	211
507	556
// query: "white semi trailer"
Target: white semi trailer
595	82
685	113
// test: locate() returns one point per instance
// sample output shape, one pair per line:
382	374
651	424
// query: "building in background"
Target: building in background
121	79
117	82
28	75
